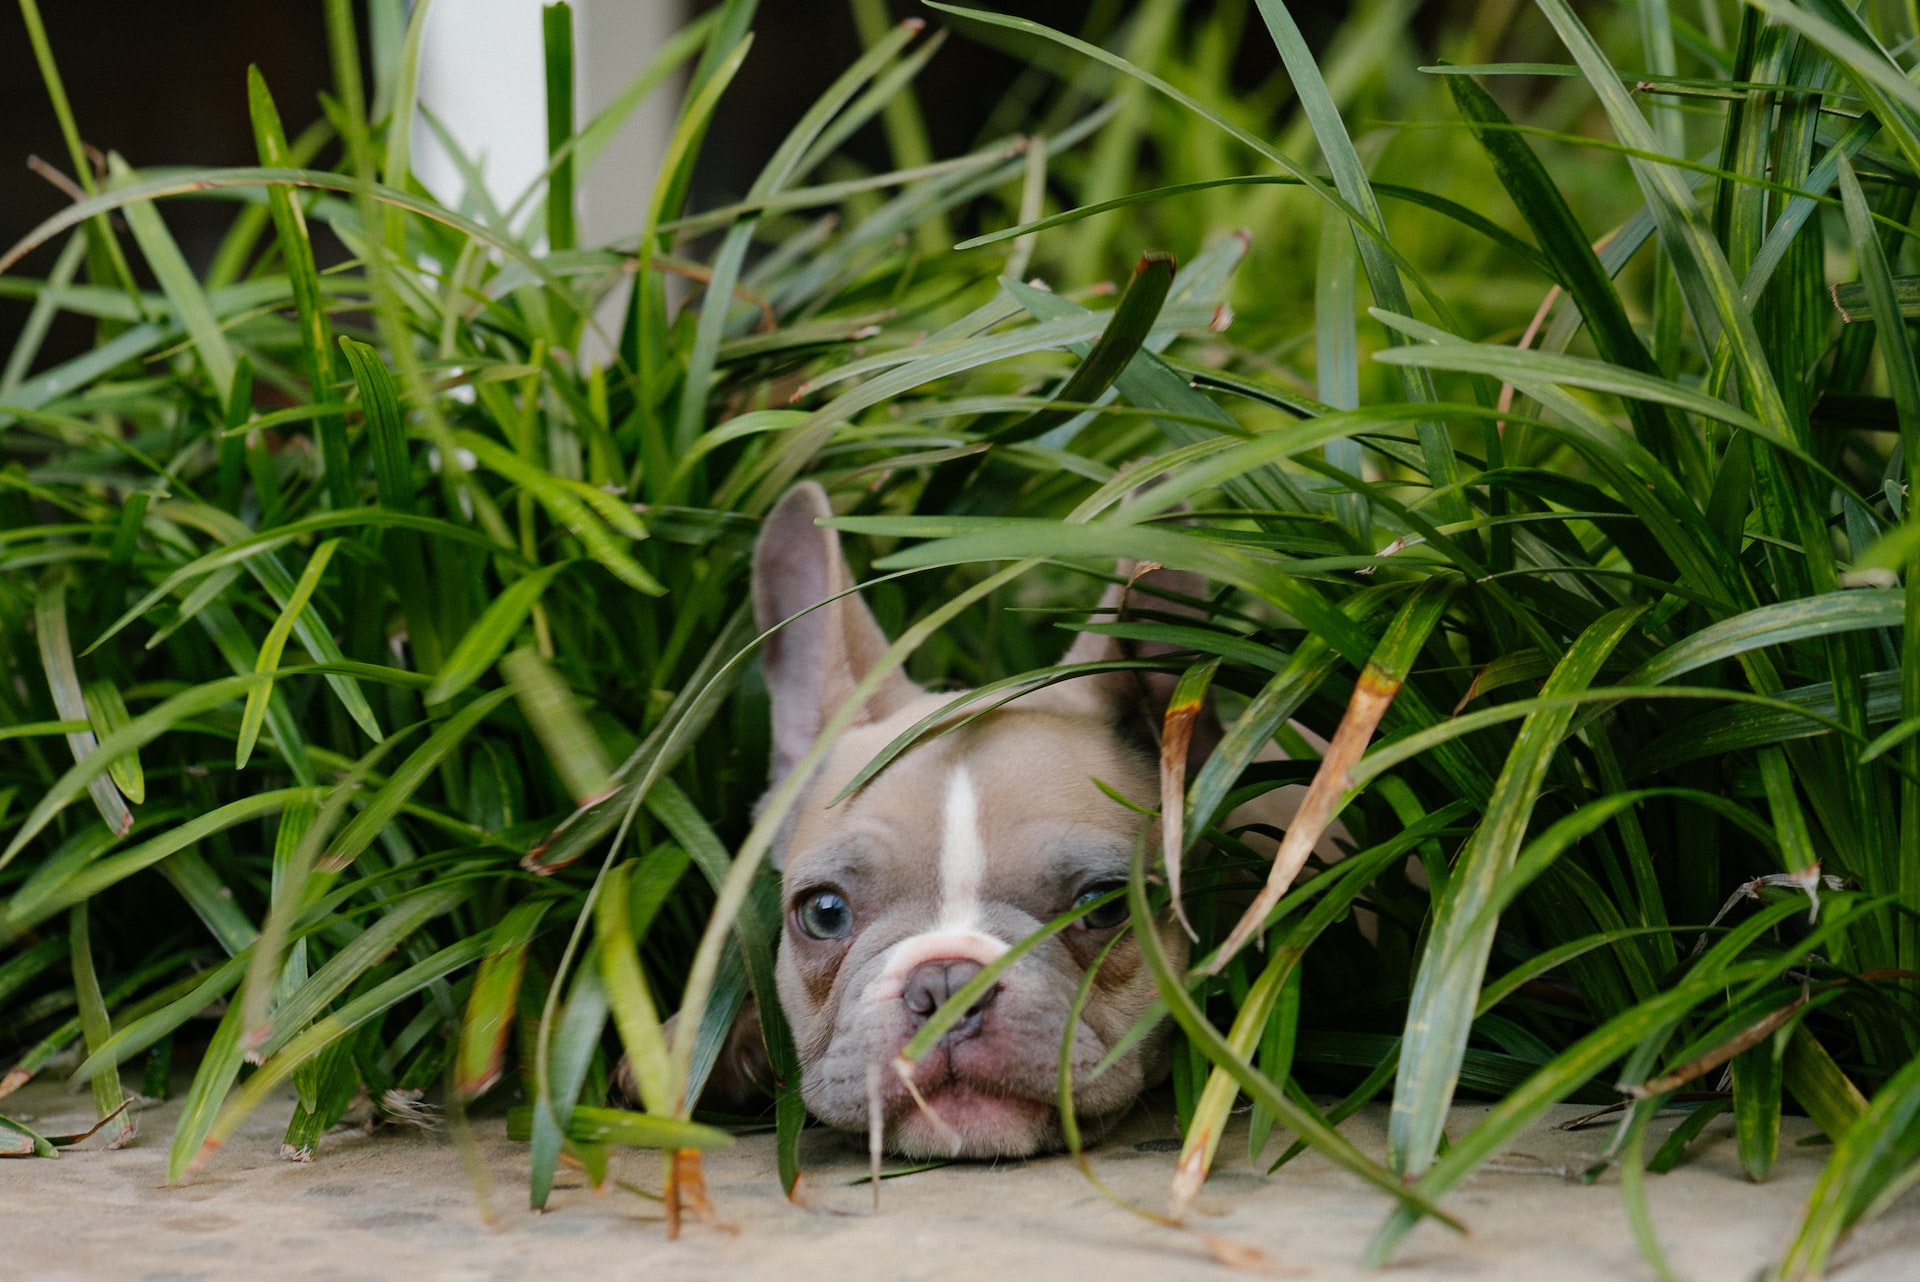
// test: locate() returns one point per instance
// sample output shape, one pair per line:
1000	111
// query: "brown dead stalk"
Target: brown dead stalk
1372	696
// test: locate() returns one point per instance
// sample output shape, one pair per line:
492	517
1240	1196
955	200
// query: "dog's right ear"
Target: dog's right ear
1159	591
813	663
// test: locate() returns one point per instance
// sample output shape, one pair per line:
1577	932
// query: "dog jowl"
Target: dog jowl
964	845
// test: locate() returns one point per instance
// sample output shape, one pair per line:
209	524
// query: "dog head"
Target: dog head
965	844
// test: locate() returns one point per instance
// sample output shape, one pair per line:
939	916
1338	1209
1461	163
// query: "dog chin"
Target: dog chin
974	1124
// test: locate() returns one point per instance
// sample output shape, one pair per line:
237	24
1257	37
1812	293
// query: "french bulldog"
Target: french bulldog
965	844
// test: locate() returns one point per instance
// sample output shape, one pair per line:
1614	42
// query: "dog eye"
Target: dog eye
1107	916
824	915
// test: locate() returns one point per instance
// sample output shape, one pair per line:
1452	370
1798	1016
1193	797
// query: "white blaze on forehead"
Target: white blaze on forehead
957	934
963	855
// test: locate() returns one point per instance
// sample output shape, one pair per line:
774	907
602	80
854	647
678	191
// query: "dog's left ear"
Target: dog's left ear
1120	694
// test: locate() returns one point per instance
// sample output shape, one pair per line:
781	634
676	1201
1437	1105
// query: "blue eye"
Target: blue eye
824	915
1107	916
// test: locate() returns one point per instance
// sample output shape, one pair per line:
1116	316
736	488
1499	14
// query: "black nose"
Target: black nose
931	983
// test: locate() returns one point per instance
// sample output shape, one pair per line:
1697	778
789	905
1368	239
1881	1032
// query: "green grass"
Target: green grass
373	655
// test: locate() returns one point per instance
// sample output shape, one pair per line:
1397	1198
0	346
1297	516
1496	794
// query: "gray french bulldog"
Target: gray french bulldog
964	845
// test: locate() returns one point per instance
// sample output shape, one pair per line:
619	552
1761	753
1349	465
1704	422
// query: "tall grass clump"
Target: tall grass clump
1609	599
377	672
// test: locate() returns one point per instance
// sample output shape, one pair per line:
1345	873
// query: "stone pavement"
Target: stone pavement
399	1205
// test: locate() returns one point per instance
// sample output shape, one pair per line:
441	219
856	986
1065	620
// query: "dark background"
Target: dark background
160	82
164	82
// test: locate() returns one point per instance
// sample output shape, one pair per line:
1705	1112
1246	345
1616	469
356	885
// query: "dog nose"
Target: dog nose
931	983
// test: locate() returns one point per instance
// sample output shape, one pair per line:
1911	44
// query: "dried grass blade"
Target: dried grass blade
1184	709
1746	1038
1373	693
495	996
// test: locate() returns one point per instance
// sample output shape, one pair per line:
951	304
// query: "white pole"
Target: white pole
482	76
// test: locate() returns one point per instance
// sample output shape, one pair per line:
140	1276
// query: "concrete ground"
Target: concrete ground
398	1205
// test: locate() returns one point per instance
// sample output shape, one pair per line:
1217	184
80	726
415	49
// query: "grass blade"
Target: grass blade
108	1098
1757	1086
385	805
69	700
254	714
374	1002
1302	1121
1454	963
560	1074
137	1034
634	1013
219	1068
616	1126
303	277
181	286
107	712
571	744
1896	351
1383	275
1706	280
35	903
1127	330
1876	1146
495	997
483	644
1818	1084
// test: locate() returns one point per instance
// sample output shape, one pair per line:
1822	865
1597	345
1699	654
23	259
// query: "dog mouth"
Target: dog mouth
961	1120
947	1113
